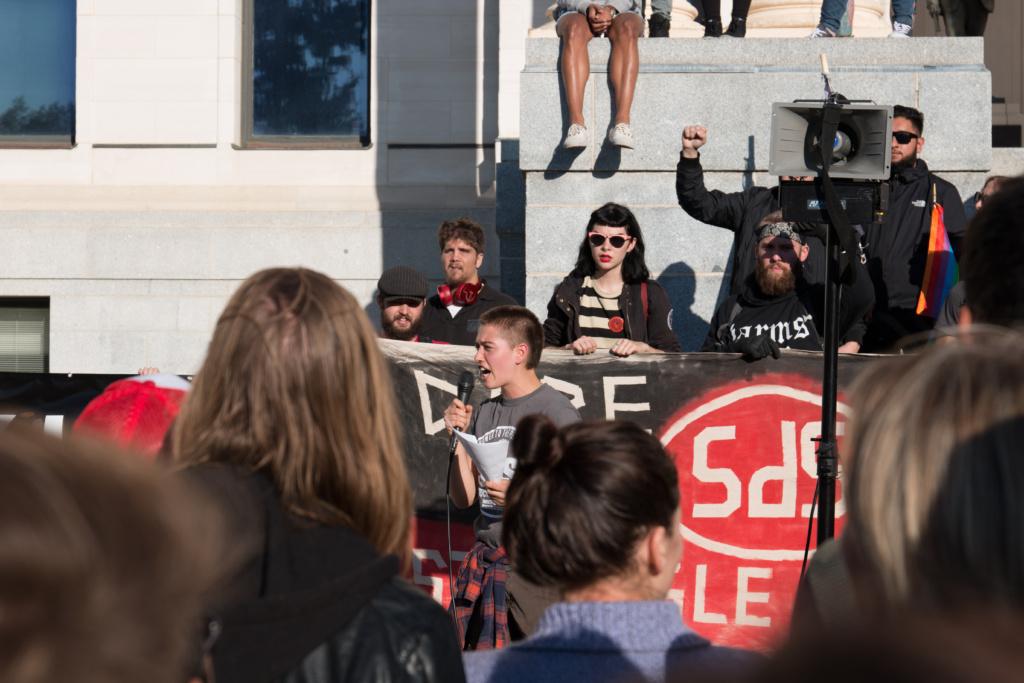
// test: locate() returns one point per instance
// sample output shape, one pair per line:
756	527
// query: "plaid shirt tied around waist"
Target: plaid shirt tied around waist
481	587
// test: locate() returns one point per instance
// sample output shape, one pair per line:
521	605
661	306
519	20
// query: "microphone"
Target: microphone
466	382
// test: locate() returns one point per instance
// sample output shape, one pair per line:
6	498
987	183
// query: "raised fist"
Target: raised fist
694	137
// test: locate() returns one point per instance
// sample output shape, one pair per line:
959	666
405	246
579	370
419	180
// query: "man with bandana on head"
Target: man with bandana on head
777	308
897	248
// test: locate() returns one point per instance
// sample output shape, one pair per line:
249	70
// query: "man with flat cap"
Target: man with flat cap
401	292
776	307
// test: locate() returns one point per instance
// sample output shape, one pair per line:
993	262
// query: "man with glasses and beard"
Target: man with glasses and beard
897	248
776	308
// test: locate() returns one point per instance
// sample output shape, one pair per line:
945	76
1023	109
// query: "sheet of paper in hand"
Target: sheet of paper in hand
492	462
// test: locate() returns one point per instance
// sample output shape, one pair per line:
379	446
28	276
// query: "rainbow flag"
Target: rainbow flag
940	270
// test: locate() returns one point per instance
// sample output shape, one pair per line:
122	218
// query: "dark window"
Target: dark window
309	72
37	72
24	333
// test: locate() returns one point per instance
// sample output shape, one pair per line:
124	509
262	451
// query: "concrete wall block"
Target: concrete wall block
737	95
683	53
510	208
554	234
186	123
469	125
154	7
543	123
120	313
349	253
197	314
124	122
146	253
431	122
129	167
407	37
121	36
403	8
187	37
957	130
163	80
441	166
432	80
28	251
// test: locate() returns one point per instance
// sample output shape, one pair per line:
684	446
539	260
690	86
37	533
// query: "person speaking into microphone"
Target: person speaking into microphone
492	605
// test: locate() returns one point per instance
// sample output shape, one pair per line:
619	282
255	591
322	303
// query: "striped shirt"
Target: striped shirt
596	314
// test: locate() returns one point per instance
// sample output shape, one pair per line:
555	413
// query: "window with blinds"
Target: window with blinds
24	336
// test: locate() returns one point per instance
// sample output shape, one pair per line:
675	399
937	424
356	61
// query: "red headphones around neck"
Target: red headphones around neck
463	295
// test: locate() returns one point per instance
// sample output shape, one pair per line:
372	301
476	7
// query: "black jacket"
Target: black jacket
739	212
317	604
563	322
750	314
897	248
438	325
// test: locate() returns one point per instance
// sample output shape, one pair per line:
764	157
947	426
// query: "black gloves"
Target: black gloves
754	348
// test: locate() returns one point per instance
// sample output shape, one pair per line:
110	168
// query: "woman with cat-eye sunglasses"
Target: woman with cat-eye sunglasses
608	302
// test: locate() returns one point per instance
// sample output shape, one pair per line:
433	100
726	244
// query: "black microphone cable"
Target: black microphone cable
466	382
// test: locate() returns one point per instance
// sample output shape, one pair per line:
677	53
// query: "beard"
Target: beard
907	161
391	332
772	283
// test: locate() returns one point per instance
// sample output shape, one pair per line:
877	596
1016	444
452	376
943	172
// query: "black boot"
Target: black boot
737	28
713	27
658	26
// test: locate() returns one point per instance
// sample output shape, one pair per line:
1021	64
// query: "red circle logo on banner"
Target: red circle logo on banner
746	458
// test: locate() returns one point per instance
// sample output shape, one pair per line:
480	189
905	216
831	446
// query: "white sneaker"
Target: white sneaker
900	30
621	135
575	137
822	32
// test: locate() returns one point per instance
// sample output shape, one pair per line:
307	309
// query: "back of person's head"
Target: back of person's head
634	268
969	552
134	413
582	498
911	414
903	648
104	565
465	229
913	115
518	325
294	386
993	261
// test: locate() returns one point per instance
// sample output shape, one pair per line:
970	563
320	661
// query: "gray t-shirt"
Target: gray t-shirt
495	420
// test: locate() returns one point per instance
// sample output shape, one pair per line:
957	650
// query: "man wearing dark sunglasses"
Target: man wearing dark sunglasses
897	248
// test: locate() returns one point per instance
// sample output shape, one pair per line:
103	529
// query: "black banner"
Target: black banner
647	389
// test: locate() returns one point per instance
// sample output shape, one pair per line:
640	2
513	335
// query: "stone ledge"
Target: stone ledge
801	53
731	90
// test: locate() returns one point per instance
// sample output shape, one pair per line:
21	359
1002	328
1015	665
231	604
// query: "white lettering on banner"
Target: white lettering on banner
423	380
744	596
716	475
54	424
573	391
699	615
610	406
809	461
422	578
785	473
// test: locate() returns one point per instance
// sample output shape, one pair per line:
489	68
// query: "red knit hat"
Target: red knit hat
135	413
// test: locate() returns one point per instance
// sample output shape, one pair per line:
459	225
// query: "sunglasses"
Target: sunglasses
617	241
903	136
